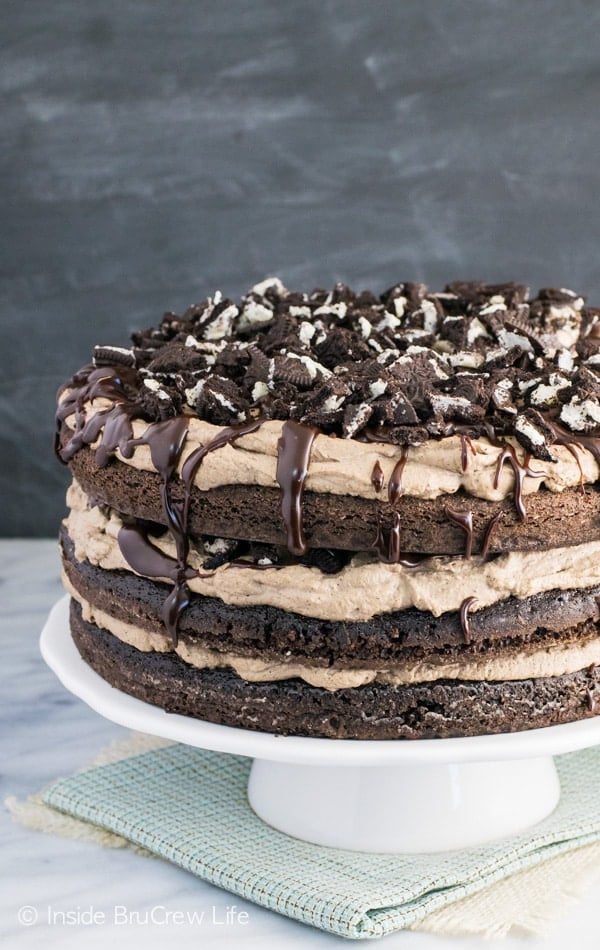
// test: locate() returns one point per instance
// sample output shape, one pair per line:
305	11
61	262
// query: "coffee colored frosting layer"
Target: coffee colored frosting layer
345	466
514	665
364	588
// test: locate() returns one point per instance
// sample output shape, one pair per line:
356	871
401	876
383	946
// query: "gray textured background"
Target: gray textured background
154	152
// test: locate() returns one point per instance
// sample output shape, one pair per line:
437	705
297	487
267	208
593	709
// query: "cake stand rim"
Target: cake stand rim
61	655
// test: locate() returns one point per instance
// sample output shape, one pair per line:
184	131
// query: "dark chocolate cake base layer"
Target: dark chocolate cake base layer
347	522
540	621
291	707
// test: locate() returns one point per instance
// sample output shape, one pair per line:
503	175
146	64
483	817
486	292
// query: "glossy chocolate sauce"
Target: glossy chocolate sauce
489	532
395	484
520	469
394	546
377	477
573	450
387	547
179	597
565	437
465	607
227	436
572	441
389	550
145	558
466	446
112	426
293	456
165	441
464	519
149	561
376	435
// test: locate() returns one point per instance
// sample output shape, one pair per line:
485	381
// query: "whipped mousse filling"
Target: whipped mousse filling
346	466
516	665
363	589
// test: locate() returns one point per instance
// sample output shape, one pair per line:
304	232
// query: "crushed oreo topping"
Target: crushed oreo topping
403	367
328	561
220	551
223	551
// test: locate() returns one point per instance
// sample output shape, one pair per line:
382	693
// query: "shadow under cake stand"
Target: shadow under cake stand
415	796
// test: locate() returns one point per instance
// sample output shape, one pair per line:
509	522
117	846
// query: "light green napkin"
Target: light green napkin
190	807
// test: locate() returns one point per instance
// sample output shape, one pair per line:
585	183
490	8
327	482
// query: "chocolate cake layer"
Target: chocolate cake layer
376	711
346	522
540	621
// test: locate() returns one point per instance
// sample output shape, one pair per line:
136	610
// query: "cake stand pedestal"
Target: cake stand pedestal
387	796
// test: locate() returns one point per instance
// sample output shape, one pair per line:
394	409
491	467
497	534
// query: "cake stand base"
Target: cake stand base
414	808
386	795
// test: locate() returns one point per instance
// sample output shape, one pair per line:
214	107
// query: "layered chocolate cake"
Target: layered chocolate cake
336	514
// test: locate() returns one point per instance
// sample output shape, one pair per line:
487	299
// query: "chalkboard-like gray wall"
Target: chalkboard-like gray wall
153	152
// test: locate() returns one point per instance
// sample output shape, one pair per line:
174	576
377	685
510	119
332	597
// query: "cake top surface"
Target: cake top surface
406	366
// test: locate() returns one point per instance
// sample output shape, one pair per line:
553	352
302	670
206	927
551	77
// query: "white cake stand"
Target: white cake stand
389	796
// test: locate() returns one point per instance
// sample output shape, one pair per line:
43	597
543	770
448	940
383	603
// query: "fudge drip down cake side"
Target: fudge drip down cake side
336	514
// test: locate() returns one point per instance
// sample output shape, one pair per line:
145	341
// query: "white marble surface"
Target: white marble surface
46	732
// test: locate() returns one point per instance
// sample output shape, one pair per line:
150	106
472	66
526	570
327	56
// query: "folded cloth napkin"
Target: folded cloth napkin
209	829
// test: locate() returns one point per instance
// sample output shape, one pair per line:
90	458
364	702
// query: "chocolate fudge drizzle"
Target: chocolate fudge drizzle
179	597
466	446
389	550
465	607
589	441
165	456
380	543
572	441
464	519
395	487
293	456
227	436
112	425
520	469
394	549
145	558
377	477
165	439
489	531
